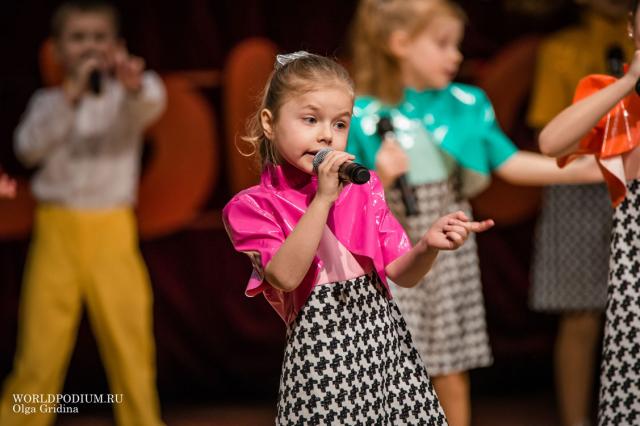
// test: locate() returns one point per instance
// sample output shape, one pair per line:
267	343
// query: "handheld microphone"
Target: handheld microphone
95	82
615	60
348	172
615	63
386	132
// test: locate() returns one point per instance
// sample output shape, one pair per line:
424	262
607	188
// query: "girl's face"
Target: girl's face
308	122
431	59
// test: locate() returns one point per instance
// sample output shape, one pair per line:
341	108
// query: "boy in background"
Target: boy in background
86	138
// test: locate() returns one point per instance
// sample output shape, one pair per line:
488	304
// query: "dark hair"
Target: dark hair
634	7
63	11
294	74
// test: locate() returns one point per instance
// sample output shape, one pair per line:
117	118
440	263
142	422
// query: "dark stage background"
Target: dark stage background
213	343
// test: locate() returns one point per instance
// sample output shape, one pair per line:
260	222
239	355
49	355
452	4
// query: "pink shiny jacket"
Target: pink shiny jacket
259	219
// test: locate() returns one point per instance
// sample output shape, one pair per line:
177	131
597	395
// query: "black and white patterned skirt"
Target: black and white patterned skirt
620	373
445	311
571	259
349	359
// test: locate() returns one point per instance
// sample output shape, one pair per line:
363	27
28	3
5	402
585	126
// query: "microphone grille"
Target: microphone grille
319	158
384	126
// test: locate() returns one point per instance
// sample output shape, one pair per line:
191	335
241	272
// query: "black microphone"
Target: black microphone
95	82
615	63
386	132
348	172
615	60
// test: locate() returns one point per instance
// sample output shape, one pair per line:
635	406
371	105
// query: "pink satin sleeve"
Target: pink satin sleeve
253	231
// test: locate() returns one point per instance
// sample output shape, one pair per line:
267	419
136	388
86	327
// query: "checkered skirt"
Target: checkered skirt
349	360
445	311
570	263
620	373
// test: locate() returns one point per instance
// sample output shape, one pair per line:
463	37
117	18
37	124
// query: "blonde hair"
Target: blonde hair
377	71
294	74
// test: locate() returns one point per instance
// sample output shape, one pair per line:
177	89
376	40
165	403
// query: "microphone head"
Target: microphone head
95	82
384	126
360	175
615	60
319	158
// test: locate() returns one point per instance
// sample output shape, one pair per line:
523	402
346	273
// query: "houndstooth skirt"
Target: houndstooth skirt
570	264
349	360
445	311
620	374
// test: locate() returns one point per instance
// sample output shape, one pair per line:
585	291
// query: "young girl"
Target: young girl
406	55
604	122
569	275
322	251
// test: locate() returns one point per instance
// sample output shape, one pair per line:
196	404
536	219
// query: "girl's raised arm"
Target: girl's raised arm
562	135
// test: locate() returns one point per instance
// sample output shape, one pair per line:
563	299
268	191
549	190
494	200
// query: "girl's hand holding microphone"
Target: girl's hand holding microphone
391	162
329	183
76	82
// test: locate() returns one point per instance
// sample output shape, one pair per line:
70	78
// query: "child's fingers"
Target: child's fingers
137	64
328	163
473	226
460	215
455	238
482	226
133	67
334	160
86	67
461	230
343	157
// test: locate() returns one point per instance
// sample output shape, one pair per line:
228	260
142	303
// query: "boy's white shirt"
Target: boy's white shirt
88	156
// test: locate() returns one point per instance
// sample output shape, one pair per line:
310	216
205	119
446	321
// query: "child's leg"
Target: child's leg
50	308
119	303
453	393
575	357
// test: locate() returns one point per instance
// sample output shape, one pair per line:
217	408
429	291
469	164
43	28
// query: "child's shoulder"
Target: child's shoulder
366	105
247	205
248	196
466	94
46	95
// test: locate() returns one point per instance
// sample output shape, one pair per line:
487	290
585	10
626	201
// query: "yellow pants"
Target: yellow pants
80	257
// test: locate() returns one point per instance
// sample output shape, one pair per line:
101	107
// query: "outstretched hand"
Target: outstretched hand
128	69
451	231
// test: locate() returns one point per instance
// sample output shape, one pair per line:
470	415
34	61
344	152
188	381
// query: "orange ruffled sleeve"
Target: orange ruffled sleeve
613	139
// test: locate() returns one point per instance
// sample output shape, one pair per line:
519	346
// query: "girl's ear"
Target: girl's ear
266	120
398	42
